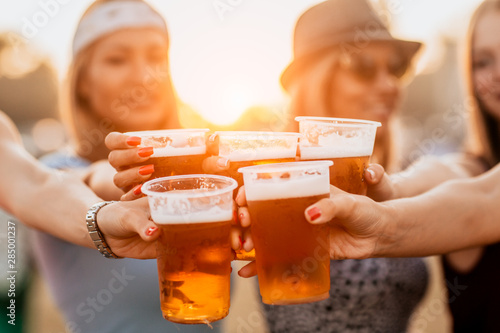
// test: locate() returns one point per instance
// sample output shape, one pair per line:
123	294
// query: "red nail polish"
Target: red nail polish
314	213
133	141
151	231
145	152
137	190
146	170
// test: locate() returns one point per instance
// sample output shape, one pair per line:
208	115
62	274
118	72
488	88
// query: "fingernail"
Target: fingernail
146	170
241	216
151	231
314	213
145	152
372	173
222	162
133	141
137	189
212	137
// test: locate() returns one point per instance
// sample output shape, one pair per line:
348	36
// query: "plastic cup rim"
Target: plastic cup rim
349	122
233	184
161	132
248	133
283	167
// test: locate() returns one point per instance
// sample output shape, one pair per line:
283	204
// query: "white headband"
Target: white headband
113	16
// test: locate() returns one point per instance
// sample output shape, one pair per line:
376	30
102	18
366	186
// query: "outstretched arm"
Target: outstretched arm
455	215
57	203
423	175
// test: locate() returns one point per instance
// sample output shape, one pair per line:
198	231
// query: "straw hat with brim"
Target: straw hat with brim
337	22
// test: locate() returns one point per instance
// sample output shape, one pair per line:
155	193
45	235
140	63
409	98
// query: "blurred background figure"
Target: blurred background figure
118	80
346	64
477	269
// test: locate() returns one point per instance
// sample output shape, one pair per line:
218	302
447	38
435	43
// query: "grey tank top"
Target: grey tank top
371	295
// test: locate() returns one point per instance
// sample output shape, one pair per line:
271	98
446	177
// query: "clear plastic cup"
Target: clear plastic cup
292	255
348	143
247	148
194	214
175	151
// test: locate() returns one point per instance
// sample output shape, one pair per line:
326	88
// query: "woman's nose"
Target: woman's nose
140	71
386	82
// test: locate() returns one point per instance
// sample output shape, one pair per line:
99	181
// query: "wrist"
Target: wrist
389	231
95	232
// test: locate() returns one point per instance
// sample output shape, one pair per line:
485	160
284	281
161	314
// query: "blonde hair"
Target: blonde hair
87	131
310	90
483	138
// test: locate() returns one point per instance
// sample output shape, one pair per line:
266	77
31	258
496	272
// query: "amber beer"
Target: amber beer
346	173
177	165
176	152
249	148
194	267
348	143
194	216
292	255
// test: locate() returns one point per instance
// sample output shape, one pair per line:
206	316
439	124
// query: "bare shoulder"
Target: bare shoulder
8	131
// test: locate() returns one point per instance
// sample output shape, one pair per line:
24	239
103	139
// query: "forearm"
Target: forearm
58	207
456	215
431	171
99	177
43	199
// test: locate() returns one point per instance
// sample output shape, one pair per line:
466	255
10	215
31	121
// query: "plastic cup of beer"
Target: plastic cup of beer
175	151
348	143
193	213
247	148
292	255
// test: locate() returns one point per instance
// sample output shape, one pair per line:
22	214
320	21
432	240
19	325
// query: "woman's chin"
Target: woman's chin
142	121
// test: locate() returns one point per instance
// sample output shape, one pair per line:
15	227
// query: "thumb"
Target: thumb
138	220
339	205
215	164
380	186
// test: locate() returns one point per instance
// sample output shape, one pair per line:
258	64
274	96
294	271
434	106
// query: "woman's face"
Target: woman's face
486	61
366	85
127	78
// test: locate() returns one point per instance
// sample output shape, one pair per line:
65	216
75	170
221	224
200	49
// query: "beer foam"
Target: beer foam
318	153
305	186
174	142
333	145
324	138
178	151
162	215
261	153
252	146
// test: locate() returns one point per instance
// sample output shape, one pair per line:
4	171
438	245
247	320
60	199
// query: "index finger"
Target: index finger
241	198
116	140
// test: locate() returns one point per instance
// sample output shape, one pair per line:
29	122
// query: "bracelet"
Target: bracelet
95	232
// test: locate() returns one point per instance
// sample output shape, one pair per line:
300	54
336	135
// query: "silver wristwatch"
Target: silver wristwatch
94	231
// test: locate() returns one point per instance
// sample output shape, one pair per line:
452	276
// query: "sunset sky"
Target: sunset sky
226	55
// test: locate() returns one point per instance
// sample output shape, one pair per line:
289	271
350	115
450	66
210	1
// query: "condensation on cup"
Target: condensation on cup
348	143
194	214
247	148
292	255
175	151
